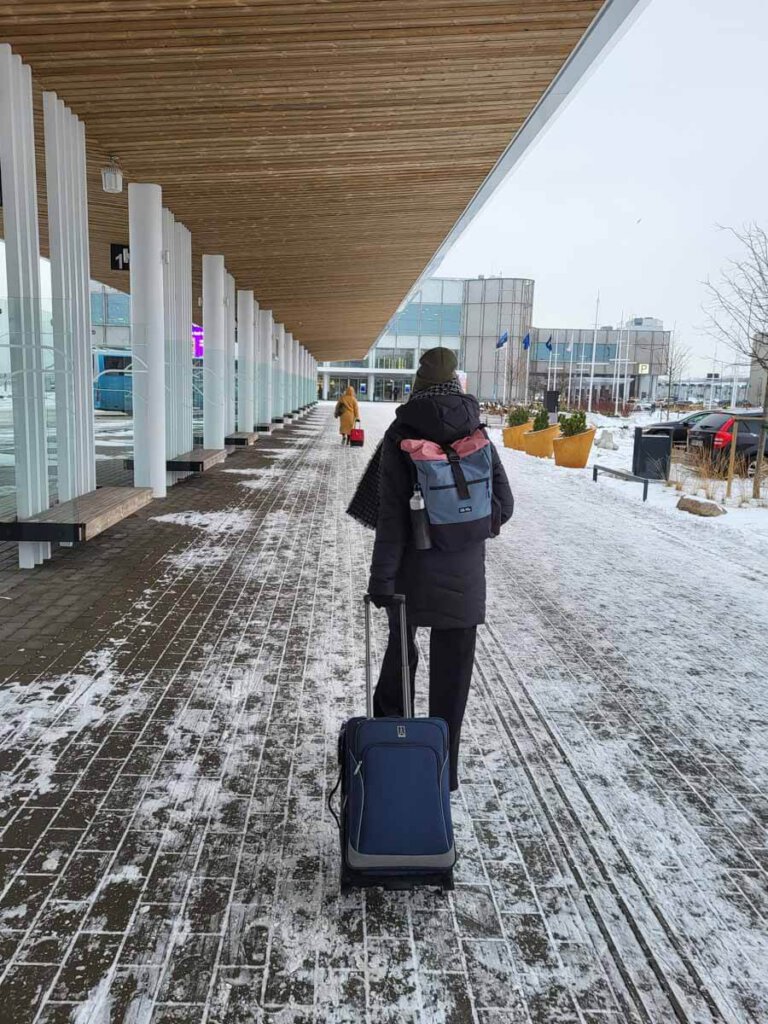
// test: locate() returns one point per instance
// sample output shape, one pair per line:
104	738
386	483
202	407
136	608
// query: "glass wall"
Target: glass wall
395	358
493	307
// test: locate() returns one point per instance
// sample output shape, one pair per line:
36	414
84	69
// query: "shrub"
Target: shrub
541	420
573	423
518	416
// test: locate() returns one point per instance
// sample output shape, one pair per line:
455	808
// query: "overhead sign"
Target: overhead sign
119	256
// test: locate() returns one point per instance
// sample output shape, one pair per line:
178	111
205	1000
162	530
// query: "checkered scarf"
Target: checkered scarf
450	387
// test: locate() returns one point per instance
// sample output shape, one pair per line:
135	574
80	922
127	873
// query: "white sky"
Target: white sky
667	139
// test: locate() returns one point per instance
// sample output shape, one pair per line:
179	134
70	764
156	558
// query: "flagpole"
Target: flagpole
570	373
594	349
554	370
506	370
616	370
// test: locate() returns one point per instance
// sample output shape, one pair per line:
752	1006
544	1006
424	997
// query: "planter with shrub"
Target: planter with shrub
539	439
518	421
573	446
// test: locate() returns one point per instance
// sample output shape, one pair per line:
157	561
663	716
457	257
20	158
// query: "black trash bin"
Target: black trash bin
652	455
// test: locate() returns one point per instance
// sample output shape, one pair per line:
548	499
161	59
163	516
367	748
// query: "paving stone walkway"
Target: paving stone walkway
170	697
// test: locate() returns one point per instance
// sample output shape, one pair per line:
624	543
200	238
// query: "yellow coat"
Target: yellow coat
350	411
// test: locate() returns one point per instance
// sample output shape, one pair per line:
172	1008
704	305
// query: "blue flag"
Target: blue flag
503	340
549	343
527	342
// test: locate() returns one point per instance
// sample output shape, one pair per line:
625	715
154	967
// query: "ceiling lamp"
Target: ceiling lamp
112	177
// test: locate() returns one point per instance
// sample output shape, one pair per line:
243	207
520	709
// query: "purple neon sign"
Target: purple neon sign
197	341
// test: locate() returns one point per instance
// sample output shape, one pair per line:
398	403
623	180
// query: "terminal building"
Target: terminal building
468	316
623	362
486	320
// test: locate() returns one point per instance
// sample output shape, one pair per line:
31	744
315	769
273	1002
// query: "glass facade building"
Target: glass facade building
466	316
628	361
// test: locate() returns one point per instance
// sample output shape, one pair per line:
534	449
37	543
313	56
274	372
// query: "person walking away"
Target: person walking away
444	589
349	413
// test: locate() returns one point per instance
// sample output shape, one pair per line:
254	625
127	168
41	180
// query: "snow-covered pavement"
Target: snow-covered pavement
169	739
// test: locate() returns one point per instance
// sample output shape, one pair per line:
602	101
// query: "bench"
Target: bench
196	461
620	474
241	438
79	520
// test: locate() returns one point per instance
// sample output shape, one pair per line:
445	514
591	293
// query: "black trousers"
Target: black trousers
451	658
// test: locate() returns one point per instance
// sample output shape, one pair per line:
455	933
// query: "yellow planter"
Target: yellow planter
573	452
539	442
513	436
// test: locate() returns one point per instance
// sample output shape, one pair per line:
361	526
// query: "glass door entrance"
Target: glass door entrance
338	385
391	389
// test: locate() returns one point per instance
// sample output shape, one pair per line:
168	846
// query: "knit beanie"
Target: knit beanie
436	366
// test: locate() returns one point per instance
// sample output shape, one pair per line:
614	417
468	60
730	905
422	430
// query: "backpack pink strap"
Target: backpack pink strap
468	445
422	451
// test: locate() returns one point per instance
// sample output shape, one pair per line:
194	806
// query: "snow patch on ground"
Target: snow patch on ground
195	558
127	873
226	521
45	714
747	521
97	1007
256	485
279	453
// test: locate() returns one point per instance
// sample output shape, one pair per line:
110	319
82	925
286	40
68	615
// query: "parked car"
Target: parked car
679	428
715	433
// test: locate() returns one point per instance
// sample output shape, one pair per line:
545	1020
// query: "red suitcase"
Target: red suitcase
357	436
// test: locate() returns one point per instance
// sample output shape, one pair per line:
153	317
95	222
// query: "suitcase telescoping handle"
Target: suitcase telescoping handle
399	600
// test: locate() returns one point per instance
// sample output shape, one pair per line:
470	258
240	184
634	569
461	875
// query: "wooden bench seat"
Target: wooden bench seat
79	520
241	438
196	461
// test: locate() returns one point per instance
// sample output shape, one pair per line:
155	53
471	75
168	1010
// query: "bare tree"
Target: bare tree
678	358
738	313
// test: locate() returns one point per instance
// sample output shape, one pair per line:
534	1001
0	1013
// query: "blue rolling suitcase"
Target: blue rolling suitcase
395	824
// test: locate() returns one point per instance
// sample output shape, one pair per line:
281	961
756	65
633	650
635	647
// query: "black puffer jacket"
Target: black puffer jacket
444	589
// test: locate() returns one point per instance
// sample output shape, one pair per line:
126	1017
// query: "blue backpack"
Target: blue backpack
456	481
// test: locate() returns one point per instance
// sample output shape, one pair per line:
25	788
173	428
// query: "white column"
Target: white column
215	354
22	254
231	380
177	307
71	314
288	377
292	403
169	309
183	335
246	417
145	235
326	385
294	376
302	379
371	386
264	372
298	404
278	376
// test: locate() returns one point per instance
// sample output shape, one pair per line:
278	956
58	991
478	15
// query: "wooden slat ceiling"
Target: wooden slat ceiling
325	148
